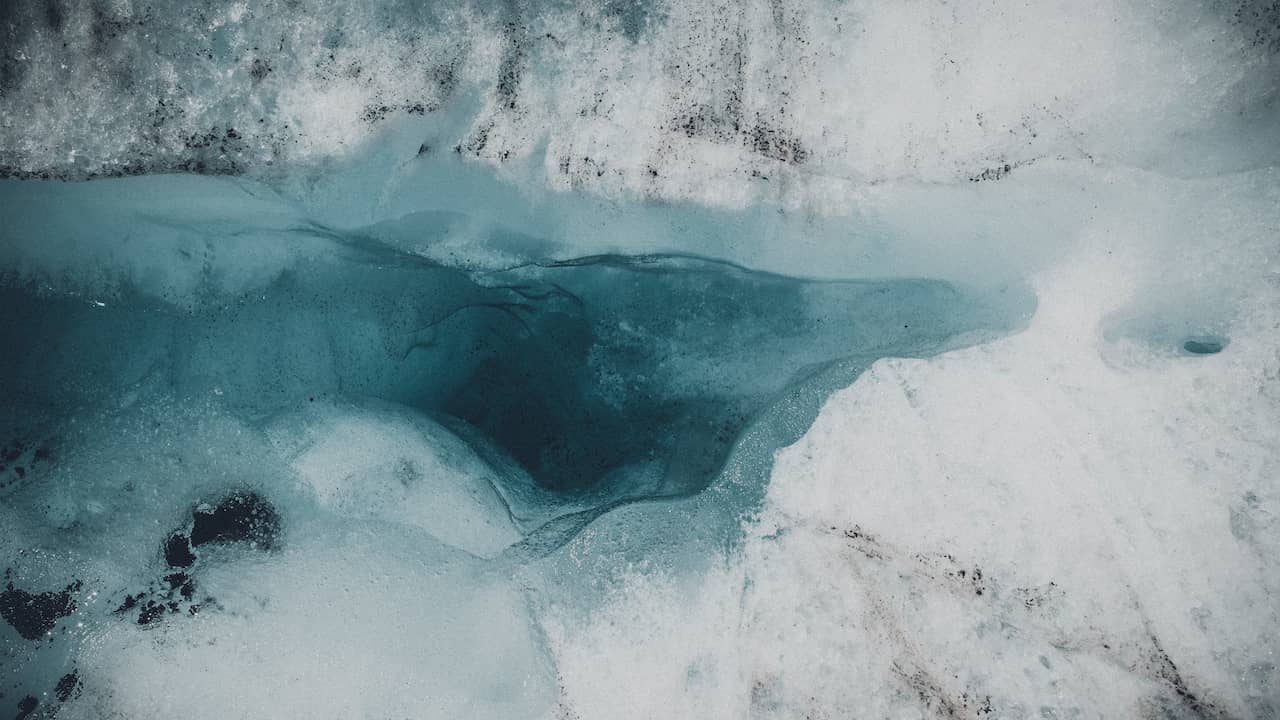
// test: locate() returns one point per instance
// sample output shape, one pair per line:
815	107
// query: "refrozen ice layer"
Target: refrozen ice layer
705	100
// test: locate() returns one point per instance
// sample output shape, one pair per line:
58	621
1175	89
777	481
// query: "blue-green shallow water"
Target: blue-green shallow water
652	390
609	377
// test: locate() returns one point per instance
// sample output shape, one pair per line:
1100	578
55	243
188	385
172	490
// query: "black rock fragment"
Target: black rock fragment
182	583
34	615
177	551
154	604
240	517
130	602
151	612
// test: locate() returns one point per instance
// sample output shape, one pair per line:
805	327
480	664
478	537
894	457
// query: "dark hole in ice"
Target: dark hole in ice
1204	345
33	615
239	517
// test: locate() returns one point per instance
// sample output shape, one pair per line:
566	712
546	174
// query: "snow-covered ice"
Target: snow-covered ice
620	359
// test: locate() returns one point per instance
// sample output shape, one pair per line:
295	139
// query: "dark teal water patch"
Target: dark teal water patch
652	366
1204	345
605	379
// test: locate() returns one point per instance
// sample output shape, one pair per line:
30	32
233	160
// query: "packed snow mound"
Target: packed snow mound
192	549
348	621
390	464
729	103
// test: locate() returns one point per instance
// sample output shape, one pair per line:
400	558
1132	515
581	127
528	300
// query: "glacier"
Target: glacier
631	359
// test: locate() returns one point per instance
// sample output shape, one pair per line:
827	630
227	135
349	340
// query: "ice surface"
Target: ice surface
393	465
624	359
1062	523
694	99
354	620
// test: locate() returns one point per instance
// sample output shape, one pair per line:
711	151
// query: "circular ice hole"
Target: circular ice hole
1204	345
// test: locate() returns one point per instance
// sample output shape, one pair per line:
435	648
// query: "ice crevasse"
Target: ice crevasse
623	359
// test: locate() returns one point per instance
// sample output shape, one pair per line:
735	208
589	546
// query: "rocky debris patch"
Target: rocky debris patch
34	615
241	517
